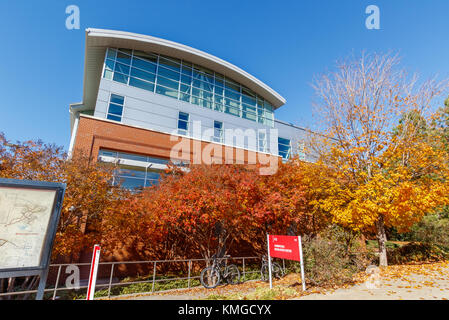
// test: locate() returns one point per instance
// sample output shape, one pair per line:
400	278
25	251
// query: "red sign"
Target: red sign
284	247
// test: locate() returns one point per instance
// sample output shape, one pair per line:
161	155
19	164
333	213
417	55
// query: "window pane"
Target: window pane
145	56
166	91
232	95
169	63
128	171
186	79
185	70
218	107
123	58
111	53
120	77
248	100
168	74
168	83
115	118
232	86
131	183
121	68
147	66
143	75
107	153
109	64
284	141
115	109
141	84
130	156
185	89
107	74
182	125
117	99
184	97
184	116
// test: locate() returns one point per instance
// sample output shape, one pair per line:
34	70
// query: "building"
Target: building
143	95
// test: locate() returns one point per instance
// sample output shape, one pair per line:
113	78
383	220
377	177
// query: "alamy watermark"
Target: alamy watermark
373	20
72	22
237	146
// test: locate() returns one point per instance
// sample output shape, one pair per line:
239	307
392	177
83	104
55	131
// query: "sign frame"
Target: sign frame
41	269
93	272
301	260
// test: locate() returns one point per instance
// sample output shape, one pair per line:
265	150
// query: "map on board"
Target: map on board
24	218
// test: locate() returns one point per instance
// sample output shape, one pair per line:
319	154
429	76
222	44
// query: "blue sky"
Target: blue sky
283	43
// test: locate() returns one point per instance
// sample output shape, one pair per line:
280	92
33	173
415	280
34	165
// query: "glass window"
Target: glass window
249	112
143	75
151	57
131	156
187	82
168	83
262	141
111	53
117	99
183	123
107	153
232	94
123	58
284	148
218	131
170	63
144	65
141	84
120	78
186	79
173	93
167	73
232	107
115	109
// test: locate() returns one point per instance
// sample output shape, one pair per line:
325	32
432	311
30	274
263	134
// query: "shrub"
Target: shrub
433	229
416	252
334	257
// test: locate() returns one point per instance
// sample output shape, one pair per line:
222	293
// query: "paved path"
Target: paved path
427	283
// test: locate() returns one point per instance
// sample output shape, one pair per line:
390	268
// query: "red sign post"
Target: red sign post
285	247
93	273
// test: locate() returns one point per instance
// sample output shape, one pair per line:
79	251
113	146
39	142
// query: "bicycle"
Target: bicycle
212	275
276	270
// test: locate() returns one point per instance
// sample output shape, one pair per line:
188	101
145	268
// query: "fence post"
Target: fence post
154	276
56	284
110	280
190	267
243	268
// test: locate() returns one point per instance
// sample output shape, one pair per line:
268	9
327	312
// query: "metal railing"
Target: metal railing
247	266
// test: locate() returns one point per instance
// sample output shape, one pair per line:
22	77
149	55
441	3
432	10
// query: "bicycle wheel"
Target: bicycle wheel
264	273
210	277
277	270
232	274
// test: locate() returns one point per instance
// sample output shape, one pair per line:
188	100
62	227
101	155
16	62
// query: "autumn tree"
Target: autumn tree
385	169
223	208
89	198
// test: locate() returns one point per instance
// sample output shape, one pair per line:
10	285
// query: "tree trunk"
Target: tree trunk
382	240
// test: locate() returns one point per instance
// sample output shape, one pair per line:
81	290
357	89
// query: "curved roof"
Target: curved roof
97	40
